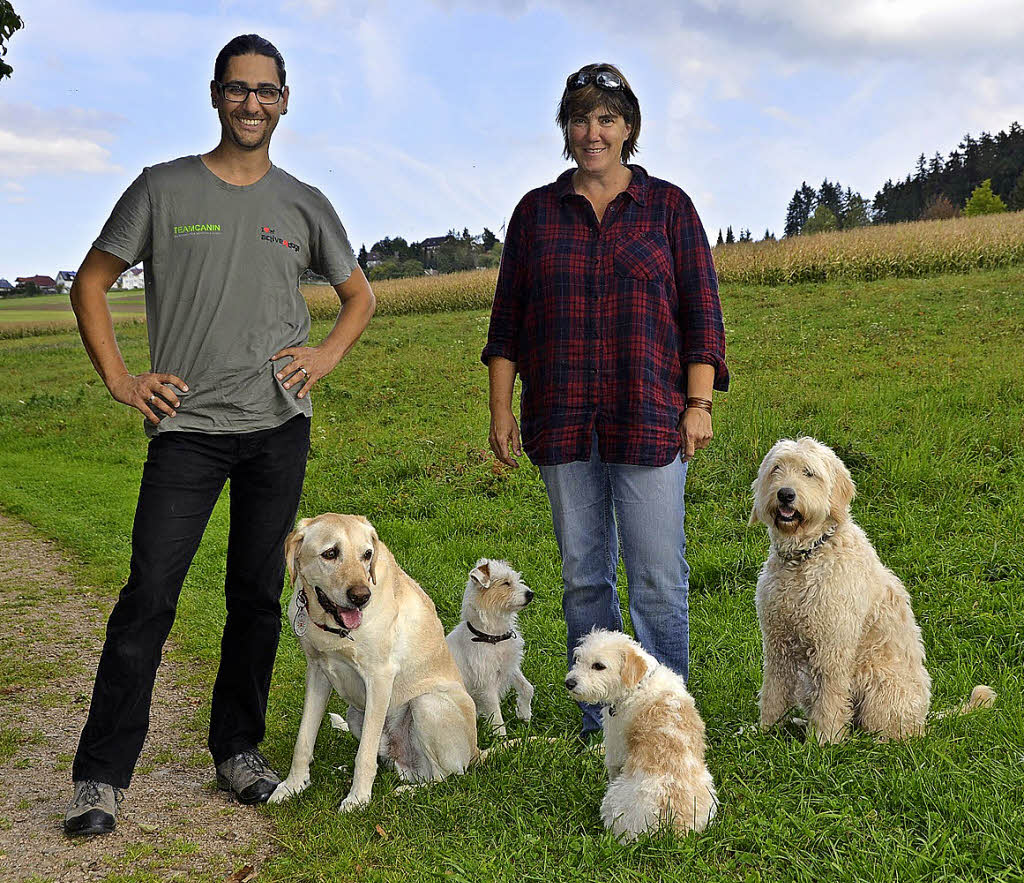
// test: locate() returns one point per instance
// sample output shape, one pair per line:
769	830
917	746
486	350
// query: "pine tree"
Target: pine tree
799	210
363	257
983	201
721	241
729	238
1016	202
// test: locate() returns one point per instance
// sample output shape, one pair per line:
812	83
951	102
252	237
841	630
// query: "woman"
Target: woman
607	308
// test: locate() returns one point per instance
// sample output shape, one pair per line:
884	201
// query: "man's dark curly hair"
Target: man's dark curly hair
247	44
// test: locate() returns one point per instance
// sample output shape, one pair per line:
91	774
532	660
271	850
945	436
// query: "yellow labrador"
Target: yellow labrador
371	633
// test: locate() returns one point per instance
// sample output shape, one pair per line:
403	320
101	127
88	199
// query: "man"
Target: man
224	237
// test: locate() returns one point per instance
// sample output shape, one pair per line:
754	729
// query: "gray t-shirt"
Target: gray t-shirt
222	266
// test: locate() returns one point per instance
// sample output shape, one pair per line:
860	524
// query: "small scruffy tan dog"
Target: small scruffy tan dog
653	738
485	644
838	633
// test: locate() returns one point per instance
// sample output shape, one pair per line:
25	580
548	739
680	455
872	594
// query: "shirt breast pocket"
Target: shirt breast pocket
643	256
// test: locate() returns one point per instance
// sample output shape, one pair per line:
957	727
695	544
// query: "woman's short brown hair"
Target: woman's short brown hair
581	102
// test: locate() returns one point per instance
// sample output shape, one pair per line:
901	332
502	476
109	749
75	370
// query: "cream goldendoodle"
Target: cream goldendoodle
839	636
653	738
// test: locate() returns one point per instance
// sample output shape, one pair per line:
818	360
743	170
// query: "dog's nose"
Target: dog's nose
786	495
529	595
570	684
359	595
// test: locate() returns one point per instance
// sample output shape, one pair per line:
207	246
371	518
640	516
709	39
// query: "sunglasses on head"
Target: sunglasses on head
602	79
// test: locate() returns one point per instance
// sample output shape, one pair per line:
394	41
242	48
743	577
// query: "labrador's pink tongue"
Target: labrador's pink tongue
351	618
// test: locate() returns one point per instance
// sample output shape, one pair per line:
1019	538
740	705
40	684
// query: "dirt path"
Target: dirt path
174	824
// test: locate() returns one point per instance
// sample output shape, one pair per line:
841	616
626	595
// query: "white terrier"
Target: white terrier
487	648
653	738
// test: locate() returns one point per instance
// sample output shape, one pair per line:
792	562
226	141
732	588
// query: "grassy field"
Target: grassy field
28	316
918	384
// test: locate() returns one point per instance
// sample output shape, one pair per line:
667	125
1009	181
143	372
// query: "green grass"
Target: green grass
918	384
47	313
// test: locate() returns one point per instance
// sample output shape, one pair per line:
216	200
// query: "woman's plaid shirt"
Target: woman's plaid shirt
602	319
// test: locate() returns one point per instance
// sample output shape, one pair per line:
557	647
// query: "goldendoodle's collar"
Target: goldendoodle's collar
611	708
484	638
804	554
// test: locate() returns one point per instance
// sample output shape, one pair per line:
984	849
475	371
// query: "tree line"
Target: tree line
395	258
982	175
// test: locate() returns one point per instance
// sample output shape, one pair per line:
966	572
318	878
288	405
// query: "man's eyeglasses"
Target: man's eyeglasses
237	93
602	79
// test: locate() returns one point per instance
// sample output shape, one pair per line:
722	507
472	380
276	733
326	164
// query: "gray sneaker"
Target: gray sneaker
93	809
249	776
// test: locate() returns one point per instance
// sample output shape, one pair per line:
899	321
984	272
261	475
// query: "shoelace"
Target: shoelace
256	762
90	795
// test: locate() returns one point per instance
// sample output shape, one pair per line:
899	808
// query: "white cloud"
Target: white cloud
22	155
60	140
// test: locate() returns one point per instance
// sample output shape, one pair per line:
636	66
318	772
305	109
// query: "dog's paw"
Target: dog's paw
353	802
287	789
524	713
338	722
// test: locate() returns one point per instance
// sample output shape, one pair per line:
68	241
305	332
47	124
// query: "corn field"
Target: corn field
473	289
921	248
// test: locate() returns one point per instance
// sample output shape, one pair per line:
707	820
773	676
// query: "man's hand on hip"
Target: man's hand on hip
149	393
308	364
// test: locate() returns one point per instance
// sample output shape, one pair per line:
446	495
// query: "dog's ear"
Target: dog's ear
482	574
291	548
843	490
633	667
754	517
376	552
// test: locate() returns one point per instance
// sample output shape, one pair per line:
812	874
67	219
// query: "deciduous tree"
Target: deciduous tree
10	22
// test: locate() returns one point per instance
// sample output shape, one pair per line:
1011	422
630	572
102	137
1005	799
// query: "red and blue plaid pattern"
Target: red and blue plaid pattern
602	319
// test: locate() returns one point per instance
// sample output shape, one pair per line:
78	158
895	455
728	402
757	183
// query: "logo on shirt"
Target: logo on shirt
193	229
268	234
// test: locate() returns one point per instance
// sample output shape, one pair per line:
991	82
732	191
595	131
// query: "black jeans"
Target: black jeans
182	479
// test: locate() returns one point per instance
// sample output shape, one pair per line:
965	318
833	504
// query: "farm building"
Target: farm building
131	278
43	283
64	280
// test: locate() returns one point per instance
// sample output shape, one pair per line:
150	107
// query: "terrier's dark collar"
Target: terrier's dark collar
804	554
484	638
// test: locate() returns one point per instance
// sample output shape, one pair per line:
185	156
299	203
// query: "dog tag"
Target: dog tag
300	623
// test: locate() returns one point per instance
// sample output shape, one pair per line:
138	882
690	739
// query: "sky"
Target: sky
419	117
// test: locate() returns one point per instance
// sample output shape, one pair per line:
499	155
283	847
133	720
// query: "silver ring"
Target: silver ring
152	398
304	371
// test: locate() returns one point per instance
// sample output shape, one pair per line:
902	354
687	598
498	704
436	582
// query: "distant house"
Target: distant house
64	280
131	278
433	243
5	285
43	283
374	258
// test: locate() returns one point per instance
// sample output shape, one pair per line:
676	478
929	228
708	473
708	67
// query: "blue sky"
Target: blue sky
417	117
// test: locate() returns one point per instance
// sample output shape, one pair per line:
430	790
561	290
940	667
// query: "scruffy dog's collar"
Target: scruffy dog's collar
484	638
803	554
611	707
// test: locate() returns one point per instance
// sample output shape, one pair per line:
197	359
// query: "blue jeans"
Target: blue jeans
588	500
